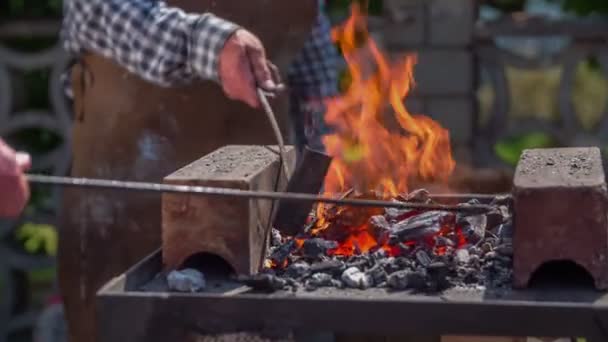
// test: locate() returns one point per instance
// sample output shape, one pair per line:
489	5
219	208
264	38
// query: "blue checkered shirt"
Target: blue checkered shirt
168	46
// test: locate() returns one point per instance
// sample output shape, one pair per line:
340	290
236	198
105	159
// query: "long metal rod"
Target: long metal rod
227	192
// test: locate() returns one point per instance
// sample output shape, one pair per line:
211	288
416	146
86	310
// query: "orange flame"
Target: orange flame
371	154
368	154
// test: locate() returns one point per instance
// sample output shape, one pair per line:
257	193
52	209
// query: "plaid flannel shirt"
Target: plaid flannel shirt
167	46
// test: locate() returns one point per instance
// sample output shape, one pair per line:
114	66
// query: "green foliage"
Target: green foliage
509	150
30	8
585	7
38	238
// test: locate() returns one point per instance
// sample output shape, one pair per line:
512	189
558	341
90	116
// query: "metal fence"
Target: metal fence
580	39
23	126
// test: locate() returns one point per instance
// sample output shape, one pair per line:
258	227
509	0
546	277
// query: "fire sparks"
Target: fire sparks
378	146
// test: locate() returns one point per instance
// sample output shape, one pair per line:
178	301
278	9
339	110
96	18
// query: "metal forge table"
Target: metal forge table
126	313
134	307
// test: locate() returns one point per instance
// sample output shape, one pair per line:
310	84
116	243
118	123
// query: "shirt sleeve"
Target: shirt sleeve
161	44
313	74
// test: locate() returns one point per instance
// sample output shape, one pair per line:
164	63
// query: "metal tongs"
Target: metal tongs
262	95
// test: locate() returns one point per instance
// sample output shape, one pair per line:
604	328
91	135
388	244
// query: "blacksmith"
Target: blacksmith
151	91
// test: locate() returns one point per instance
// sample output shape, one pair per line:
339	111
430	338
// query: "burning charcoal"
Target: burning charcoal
441	241
463	256
423	258
422	226
335	267
314	248
263	282
380	228
398	280
379	254
280	254
298	269
474	227
377	273
187	280
354	278
438	272
504	250
416	196
276	238
404	249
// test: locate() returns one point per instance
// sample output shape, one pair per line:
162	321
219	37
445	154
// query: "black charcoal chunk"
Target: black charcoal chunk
504	250
421	226
282	252
398	280
418	196
354	278
263	282
380	228
438	273
423	258
474	227
394	214
298	269
333	266
320	280
316	247
377	274
417	280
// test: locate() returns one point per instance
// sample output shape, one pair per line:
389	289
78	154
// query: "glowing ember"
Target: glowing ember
372	155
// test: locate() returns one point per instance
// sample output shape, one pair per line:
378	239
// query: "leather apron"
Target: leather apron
128	129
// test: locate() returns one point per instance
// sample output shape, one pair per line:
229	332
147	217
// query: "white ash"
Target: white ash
186	280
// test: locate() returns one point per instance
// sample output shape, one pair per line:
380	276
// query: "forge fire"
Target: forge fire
400	250
380	150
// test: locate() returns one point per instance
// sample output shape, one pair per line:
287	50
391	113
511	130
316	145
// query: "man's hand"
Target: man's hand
243	67
14	189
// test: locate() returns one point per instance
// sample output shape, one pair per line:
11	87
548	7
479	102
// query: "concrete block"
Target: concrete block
455	114
228	227
451	22
404	23
444	72
559	200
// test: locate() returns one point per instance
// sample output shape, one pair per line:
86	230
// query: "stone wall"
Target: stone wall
441	33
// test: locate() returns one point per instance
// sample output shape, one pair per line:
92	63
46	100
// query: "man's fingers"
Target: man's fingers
276	76
24	161
259	64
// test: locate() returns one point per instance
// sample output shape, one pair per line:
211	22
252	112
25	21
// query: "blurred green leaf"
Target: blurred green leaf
38	238
509	150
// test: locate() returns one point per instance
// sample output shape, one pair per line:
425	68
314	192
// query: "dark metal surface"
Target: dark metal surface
545	311
307	178
267	195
